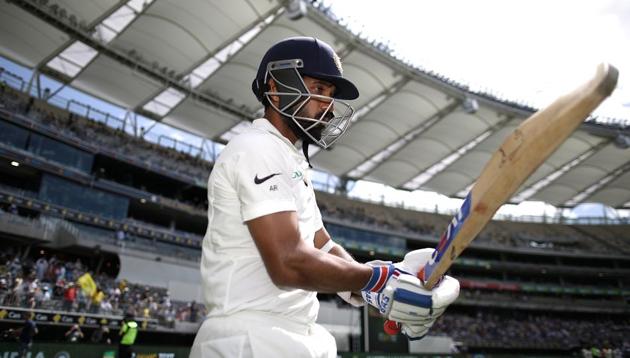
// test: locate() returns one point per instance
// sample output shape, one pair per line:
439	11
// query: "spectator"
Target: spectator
41	266
101	335
120	237
74	334
4	290
61	271
26	335
106	307
46	296
82	300
97	298
69	297
193	312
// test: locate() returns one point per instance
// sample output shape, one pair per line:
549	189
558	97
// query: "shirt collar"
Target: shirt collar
264	124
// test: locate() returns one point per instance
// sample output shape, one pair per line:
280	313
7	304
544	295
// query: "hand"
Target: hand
382	271
405	300
417	308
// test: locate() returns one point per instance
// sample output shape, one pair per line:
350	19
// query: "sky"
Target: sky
531	50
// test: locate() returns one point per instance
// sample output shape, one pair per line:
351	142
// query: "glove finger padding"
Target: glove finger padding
415	260
405	300
445	293
416	331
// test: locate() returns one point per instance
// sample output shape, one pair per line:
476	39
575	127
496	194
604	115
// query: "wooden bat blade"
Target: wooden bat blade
521	153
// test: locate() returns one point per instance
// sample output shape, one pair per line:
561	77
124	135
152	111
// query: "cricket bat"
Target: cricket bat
521	153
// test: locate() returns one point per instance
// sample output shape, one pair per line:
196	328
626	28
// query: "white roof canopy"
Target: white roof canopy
190	64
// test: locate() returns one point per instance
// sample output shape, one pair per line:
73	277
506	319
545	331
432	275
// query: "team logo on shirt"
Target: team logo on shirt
297	175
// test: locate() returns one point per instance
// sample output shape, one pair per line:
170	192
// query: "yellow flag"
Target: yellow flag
87	284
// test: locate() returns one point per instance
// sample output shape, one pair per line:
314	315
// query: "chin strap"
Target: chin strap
305	151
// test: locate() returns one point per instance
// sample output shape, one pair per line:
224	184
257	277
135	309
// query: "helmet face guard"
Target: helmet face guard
324	130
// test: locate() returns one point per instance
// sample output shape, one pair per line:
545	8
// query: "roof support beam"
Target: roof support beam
219	57
548	179
588	192
373	103
64	25
90	26
428	173
391	149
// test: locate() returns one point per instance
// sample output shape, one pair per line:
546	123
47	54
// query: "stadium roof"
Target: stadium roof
190	65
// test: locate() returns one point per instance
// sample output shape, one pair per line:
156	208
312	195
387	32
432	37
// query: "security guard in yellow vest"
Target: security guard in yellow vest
128	333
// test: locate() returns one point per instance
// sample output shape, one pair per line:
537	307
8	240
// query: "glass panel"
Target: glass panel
368	240
13	135
65	193
60	153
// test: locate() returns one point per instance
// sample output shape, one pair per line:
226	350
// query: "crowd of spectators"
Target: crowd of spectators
53	284
535	330
516	235
561	301
510	234
106	137
356	213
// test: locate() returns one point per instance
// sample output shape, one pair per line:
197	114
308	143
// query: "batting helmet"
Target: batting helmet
287	62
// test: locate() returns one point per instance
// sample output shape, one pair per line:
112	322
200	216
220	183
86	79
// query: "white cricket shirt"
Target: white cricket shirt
259	172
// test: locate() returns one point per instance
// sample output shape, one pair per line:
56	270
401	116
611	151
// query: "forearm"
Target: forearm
292	262
314	270
339	251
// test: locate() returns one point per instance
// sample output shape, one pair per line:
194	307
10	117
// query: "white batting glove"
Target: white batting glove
352	298
405	300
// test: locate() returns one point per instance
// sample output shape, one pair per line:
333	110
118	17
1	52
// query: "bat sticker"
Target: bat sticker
447	236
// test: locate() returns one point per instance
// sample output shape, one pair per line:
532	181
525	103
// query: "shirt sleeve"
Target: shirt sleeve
319	222
262	181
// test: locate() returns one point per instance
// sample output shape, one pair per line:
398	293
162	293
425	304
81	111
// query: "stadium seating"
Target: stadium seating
527	267
46	284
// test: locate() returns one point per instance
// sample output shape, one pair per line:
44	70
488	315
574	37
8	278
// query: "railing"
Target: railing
176	144
208	153
13	80
441	210
92	113
132	228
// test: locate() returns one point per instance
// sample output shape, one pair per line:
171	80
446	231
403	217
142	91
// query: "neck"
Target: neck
281	125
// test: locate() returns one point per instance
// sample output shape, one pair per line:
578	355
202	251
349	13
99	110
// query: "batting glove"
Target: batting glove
404	298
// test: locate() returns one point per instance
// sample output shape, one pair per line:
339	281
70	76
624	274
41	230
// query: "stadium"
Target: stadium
113	114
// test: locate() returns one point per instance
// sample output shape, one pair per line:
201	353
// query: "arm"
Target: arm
322	237
292	263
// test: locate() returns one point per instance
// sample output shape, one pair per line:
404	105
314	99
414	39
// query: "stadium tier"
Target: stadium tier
80	197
